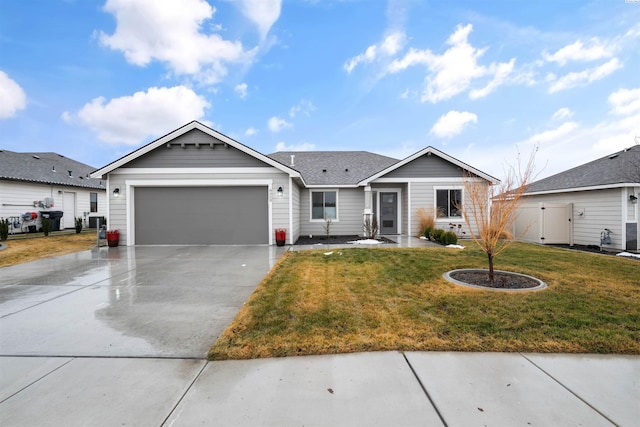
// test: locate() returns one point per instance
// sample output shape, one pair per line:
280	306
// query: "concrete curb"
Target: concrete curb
447	277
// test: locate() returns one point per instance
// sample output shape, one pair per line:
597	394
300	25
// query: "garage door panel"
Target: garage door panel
201	215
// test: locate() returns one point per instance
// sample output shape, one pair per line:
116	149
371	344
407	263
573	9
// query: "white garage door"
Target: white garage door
201	215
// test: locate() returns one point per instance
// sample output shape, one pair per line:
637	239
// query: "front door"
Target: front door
388	213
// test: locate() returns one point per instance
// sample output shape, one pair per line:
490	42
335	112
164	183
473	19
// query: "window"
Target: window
324	205
448	203
93	202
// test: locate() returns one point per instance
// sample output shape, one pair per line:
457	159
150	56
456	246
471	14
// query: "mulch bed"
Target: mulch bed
335	240
502	280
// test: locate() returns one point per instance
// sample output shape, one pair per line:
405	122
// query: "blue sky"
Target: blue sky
481	81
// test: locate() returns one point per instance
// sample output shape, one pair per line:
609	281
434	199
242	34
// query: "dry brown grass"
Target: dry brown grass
27	248
396	299
426	219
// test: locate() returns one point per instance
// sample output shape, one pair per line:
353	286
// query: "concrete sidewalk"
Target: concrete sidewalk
366	389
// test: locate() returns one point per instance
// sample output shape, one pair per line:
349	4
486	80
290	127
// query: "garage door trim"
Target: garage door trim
132	184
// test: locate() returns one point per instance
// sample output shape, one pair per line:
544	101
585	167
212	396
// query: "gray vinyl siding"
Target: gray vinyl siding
193	157
350	211
117	206
602	209
423	196
295	195
426	167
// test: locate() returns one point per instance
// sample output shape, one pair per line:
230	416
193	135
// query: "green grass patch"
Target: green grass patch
371	299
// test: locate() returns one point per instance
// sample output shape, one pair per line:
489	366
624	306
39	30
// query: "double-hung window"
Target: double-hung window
93	202
449	203
324	205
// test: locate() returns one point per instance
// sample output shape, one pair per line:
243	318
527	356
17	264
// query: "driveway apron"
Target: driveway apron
155	301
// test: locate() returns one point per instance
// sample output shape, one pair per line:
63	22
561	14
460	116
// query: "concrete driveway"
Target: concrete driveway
118	337
156	301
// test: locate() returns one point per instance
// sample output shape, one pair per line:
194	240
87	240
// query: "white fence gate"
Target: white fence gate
545	223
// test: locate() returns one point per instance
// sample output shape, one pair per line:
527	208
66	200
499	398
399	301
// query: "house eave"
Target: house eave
589	188
100	173
421	153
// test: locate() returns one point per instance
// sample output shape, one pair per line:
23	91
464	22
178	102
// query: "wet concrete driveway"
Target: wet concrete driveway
157	301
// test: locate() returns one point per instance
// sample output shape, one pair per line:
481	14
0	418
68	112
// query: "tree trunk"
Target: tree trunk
491	275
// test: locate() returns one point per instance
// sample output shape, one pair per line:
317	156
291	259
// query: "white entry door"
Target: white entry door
68	209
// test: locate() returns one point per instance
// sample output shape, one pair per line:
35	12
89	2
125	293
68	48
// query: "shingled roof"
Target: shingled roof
334	168
46	168
618	168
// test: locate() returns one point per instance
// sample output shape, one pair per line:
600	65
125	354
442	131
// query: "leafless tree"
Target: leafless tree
494	208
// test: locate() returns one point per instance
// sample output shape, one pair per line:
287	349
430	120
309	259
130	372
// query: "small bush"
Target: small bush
78	223
46	226
4	229
436	235
427	232
449	238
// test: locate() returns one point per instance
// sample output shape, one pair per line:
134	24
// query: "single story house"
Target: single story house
198	186
31	183
592	204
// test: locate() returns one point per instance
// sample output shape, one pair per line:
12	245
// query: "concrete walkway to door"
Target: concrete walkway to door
118	337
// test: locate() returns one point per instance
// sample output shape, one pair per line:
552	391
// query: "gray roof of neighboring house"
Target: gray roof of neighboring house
334	167
46	168
617	168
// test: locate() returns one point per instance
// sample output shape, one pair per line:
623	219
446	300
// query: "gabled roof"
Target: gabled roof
181	131
615	170
46	168
334	168
427	151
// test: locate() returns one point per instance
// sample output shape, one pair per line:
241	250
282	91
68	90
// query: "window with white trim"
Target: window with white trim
93	202
324	205
448	203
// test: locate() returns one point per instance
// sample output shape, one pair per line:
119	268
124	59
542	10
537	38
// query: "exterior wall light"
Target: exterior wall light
280	192
116	192
633	199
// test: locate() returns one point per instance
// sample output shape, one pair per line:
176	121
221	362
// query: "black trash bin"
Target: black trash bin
54	216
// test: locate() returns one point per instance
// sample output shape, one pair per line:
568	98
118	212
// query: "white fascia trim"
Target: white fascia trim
423	180
291	242
181	131
186	171
324	186
576	189
437	153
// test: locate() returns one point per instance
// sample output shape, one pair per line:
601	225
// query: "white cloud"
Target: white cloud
305	107
562	113
12	96
276	124
263	13
171	32
303	146
625	101
241	89
391	44
554	134
131	119
578	52
589	75
500	73
453	123
452	72
251	131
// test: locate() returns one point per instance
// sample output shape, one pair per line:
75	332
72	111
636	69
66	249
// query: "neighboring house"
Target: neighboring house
197	186
576	206
31	183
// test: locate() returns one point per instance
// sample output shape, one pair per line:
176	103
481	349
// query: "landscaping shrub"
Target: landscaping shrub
436	235
4	229
449	238
426	220
78	223
427	232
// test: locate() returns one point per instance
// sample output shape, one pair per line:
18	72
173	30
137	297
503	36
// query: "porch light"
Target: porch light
633	199
116	192
280	192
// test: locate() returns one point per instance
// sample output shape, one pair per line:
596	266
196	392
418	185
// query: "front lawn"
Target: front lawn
395	299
